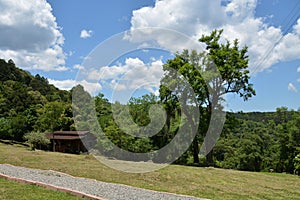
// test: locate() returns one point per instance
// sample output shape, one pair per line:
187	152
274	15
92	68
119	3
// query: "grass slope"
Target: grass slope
10	190
200	182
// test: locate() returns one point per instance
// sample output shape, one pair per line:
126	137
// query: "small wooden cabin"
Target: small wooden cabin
71	141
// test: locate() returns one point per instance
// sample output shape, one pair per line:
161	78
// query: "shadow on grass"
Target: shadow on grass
12	142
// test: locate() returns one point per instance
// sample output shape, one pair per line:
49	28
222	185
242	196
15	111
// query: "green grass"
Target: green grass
200	182
10	190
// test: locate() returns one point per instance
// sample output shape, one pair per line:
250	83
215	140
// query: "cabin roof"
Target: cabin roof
67	135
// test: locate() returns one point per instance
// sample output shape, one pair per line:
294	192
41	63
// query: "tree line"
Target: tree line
249	141
29	103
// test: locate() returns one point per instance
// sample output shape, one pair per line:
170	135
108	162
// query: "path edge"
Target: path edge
51	187
88	196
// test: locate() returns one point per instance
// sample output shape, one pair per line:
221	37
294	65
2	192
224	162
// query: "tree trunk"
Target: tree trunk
209	154
168	121
194	130
196	151
209	158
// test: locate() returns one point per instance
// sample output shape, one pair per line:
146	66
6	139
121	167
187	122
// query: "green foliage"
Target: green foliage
257	141
123	136
231	62
36	140
297	164
252	144
17	127
54	116
83	107
5	128
24	99
10	72
211	74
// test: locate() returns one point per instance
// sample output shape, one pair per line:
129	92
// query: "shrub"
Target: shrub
36	140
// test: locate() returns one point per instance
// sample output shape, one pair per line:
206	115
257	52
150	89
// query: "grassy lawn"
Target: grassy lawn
10	190
200	182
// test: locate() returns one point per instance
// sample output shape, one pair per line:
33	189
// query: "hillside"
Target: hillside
266	116
19	89
210	183
25	98
255	141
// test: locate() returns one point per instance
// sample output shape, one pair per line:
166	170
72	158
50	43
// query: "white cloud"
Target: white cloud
77	66
292	88
86	33
92	87
133	74
298	69
236	17
30	35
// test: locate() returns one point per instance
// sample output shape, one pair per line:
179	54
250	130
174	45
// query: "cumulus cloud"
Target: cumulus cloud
30	35
292	88
133	74
77	66
267	44
92	87
86	33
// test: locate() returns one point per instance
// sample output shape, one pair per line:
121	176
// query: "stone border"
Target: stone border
51	187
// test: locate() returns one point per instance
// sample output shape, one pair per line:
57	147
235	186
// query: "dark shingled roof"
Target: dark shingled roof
67	135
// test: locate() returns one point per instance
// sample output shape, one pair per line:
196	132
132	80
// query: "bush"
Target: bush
36	140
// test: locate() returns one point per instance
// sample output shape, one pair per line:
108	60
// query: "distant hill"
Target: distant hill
10	72
19	89
264	116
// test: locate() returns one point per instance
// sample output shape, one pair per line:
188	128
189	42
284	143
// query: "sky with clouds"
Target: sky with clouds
56	38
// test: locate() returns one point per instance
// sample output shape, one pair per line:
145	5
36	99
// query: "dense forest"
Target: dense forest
249	141
254	141
29	103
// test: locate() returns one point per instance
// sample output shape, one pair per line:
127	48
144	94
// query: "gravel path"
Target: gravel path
88	186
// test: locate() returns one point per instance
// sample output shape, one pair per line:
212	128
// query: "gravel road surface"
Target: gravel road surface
104	190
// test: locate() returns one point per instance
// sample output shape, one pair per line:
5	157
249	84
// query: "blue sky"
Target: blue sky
55	38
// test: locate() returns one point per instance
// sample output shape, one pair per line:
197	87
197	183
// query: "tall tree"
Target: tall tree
232	64
219	70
